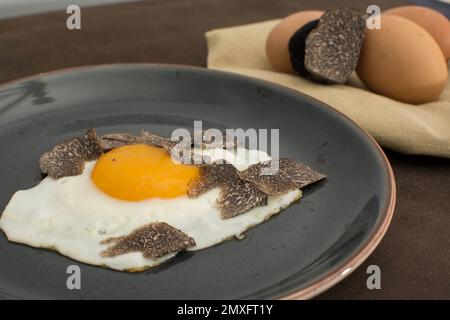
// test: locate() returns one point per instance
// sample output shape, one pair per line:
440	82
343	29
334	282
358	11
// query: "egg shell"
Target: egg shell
402	61
277	41
435	23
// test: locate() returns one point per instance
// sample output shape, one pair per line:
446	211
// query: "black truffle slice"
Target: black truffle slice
182	152
68	158
154	240
332	49
115	140
297	48
291	175
155	140
176	149
211	176
209	141
238	196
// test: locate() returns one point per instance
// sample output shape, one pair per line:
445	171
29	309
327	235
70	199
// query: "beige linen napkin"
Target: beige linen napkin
413	129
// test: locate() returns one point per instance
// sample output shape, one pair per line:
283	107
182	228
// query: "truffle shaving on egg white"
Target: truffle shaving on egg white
68	157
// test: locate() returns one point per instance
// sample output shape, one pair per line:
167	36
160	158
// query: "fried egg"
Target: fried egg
125	189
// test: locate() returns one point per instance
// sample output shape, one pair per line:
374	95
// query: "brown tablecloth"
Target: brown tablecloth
414	257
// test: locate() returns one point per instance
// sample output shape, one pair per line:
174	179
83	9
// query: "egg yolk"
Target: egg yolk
138	172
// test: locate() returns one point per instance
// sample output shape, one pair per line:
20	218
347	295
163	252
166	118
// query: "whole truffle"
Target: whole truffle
297	47
332	49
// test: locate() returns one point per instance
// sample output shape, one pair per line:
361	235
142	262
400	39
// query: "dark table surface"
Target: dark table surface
414	256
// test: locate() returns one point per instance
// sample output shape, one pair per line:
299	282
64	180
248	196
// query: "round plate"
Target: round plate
297	254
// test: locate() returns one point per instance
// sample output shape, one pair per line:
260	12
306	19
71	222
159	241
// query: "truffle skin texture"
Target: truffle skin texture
238	196
114	140
211	176
155	140
68	158
154	240
208	141
297	48
291	175
332	49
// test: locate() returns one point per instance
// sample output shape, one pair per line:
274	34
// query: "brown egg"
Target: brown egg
402	61
431	20
278	39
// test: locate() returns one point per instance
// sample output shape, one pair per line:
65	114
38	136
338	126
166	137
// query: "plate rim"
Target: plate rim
350	264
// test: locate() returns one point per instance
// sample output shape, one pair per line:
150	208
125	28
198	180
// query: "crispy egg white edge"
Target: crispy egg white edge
72	216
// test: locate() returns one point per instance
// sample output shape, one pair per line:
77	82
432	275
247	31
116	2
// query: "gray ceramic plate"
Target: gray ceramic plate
297	254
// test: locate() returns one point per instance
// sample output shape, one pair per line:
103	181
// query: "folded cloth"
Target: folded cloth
413	129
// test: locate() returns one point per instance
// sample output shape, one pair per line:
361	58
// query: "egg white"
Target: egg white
72	216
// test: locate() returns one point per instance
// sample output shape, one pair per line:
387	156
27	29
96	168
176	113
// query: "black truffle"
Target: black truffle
155	140
297	48
228	141
175	148
238	196
154	240
115	140
332	48
211	176
291	175
68	158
